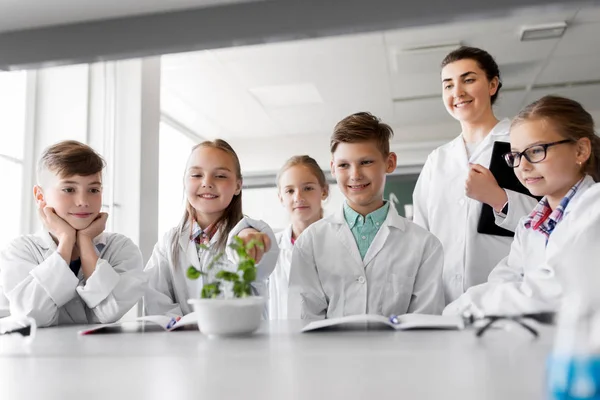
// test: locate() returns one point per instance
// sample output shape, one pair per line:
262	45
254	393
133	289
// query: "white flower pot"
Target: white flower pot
228	317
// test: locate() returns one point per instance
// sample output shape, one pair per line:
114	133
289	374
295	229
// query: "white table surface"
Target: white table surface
279	363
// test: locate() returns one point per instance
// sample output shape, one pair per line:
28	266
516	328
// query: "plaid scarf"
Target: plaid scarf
544	219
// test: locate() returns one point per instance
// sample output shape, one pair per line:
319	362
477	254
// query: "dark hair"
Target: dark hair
362	127
69	158
233	212
483	59
570	120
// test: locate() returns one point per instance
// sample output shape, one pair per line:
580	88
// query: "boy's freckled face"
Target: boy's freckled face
76	199
360	170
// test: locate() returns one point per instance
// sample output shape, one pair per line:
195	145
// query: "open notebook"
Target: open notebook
146	324
401	322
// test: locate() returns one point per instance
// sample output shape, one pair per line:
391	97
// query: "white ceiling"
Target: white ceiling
210	91
26	14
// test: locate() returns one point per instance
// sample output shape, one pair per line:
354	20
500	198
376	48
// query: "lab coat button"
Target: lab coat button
361	279
461	202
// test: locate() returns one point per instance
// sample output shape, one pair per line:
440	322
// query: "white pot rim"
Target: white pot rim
236	301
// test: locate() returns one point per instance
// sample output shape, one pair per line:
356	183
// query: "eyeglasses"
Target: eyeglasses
542	317
533	154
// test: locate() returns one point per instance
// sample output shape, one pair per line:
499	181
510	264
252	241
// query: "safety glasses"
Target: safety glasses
490	320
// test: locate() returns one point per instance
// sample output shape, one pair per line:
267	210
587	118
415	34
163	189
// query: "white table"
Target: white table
278	363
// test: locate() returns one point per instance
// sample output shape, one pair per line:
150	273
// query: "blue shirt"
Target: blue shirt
364	229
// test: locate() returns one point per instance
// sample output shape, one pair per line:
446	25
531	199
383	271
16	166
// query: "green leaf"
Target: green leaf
192	273
227	276
254	243
201	246
211	290
246	264
250	275
241	289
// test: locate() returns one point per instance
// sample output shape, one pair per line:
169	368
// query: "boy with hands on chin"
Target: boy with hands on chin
71	271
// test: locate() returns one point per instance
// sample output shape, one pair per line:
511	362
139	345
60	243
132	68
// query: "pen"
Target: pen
172	322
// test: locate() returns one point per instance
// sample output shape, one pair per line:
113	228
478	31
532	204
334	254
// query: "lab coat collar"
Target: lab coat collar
184	238
586	183
393	219
500	129
286	238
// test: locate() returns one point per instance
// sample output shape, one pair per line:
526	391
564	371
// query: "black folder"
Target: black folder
506	178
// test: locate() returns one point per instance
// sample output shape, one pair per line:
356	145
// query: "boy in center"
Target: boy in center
366	258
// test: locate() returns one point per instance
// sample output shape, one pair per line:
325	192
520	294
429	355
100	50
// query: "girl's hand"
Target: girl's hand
482	186
256	252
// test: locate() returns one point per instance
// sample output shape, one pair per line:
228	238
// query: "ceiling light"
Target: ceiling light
543	31
445	47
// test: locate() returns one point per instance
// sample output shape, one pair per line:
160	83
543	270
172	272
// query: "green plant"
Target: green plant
241	279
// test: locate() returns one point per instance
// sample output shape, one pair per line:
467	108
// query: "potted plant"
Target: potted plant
227	305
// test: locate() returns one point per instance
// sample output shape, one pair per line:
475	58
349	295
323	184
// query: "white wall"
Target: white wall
269	154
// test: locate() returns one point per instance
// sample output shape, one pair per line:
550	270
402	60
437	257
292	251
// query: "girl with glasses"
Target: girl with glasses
555	154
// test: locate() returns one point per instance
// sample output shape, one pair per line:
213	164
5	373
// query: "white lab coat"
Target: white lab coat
401	271
38	283
169	288
441	207
280	278
522	282
574	254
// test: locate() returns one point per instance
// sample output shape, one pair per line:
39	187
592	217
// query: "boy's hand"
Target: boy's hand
86	247
256	252
96	227
482	186
57	226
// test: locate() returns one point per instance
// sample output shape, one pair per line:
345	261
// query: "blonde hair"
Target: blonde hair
232	214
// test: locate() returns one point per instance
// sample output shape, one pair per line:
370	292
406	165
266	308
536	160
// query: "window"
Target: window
13	92
174	149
